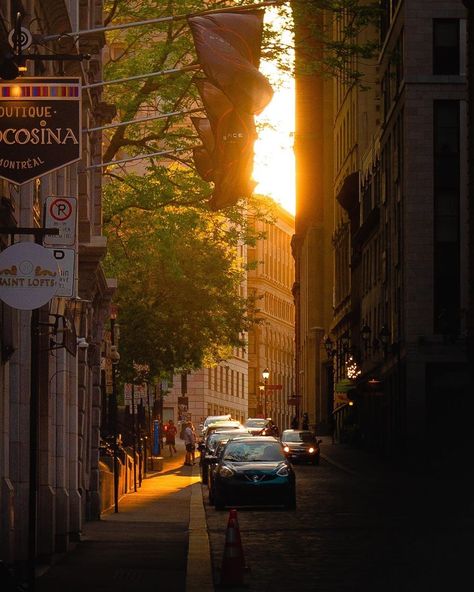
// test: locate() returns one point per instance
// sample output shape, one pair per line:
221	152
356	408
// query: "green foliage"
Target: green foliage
177	262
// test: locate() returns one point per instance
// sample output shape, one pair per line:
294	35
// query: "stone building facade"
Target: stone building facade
232	385
400	236
41	519
271	342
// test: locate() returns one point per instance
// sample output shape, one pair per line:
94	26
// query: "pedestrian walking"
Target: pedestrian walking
305	424
294	423
170	438
189	436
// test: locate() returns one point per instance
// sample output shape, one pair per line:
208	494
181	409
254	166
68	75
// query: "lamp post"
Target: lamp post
265	376
261	388
115	358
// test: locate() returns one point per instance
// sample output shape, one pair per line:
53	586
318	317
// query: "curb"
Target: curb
199	571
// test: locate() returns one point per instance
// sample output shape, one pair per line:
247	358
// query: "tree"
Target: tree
175	260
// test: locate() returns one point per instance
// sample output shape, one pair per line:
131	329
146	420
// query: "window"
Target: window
446	46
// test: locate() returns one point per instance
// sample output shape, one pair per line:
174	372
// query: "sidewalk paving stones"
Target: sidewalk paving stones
146	543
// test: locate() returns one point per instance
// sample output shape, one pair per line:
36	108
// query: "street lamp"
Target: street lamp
261	394
265	376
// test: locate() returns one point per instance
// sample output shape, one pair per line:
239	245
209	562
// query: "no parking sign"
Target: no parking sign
61	213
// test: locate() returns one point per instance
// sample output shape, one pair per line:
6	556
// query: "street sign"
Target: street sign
273	387
28	276
66	259
40	126
61	213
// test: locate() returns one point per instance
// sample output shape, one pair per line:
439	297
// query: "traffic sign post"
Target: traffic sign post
61	213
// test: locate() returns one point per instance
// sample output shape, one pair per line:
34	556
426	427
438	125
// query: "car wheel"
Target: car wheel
219	502
291	502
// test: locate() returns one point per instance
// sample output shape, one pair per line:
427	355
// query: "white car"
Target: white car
211	419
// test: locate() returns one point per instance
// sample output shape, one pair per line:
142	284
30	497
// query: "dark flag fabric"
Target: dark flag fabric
204	163
228	137
228	50
204	130
203	155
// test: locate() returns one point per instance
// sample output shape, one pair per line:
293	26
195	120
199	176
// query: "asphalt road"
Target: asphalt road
384	531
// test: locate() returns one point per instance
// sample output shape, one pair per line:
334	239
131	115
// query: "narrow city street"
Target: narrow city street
367	528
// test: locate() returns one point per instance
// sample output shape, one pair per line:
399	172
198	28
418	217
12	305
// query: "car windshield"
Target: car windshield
241	451
298	437
255	423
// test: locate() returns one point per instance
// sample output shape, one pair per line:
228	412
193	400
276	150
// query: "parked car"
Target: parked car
208	447
254	471
301	445
227	424
211	428
256	425
212	419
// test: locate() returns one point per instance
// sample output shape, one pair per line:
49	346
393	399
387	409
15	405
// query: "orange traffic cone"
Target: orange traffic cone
232	571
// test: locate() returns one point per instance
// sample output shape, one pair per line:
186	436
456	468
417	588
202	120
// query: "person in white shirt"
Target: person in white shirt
190	443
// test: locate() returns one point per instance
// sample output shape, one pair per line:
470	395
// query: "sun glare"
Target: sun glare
274	164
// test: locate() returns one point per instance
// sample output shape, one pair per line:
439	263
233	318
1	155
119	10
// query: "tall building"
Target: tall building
232	386
51	392
312	243
397	338
271	342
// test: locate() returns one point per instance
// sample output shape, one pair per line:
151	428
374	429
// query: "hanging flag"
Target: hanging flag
228	137
228	50
204	163
204	130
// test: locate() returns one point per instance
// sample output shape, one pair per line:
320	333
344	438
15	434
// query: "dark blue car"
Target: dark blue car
252	472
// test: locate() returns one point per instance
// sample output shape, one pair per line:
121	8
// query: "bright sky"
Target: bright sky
274	165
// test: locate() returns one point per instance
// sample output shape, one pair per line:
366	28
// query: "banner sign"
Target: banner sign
40	126
60	213
29	276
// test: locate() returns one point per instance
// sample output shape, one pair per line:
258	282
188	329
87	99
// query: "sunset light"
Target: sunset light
274	164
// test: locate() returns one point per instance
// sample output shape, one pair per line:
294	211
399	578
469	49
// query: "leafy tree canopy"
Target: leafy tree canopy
176	261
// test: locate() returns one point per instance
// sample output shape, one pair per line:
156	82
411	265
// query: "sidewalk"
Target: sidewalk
157	539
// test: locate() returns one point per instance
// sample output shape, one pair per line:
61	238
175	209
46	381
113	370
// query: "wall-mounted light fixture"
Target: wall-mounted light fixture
382	339
82	343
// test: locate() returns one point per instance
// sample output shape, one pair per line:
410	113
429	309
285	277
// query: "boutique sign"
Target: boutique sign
29	276
40	126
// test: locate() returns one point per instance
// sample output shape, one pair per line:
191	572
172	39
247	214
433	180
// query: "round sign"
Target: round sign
26	38
60	209
29	276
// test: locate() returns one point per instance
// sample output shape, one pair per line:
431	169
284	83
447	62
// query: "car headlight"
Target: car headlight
283	471
311	450
226	472
286	448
